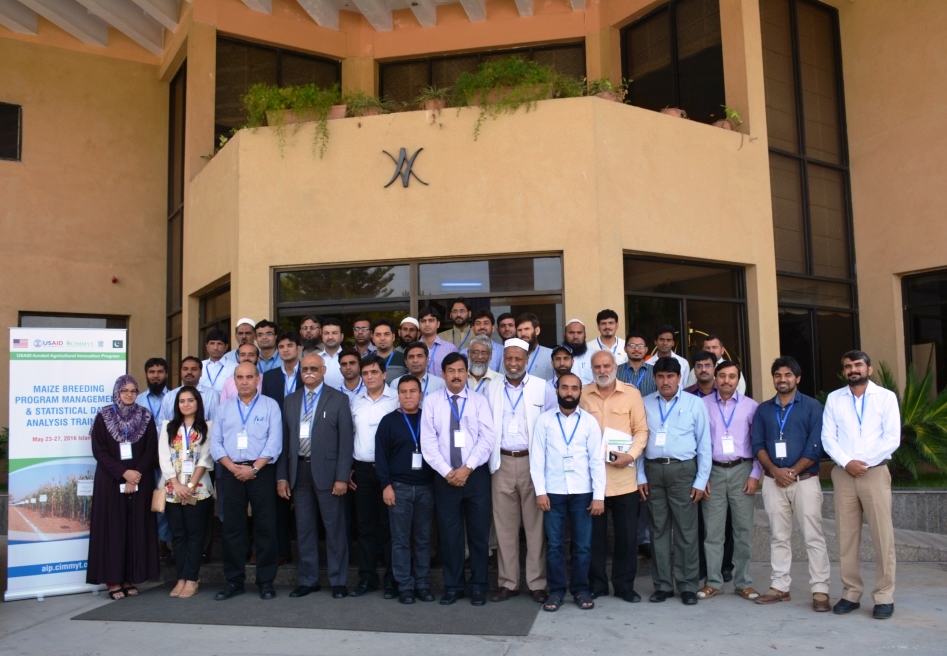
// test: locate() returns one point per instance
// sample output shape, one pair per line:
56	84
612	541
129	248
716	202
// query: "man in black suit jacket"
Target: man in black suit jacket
314	469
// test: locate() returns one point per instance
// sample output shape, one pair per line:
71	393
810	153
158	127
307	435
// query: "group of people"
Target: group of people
456	433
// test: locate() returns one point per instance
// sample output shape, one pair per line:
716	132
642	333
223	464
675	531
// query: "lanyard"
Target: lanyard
578	414
414	433
309	406
249	412
187	441
665	415
290	388
507	392
430	364
427	379
602	346
855	405
454	412
150	407
343	388
726	422
641	374
480	384
529	369
783	417
388	361
213	379
464	340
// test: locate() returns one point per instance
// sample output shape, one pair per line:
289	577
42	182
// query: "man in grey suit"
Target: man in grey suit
314	468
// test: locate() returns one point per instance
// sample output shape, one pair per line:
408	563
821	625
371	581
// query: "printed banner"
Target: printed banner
59	379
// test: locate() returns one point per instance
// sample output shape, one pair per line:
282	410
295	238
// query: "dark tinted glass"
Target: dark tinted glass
805	291
491	276
175	260
648	62
345	283
700	59
828	221
10	125
778	75
681	279
789	228
819	77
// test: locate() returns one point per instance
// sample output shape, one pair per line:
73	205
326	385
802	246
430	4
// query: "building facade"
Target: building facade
809	230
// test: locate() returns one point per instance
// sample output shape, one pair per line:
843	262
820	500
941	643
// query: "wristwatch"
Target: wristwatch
190	486
254	470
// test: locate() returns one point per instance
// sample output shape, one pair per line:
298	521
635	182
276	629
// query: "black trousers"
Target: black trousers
624	511
188	527
260	493
374	530
727	545
469	507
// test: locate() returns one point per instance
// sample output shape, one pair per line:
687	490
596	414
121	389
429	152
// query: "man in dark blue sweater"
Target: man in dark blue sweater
407	489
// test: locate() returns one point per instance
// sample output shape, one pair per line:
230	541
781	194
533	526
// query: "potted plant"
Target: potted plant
674	111
503	86
603	88
275	106
359	103
434	98
731	119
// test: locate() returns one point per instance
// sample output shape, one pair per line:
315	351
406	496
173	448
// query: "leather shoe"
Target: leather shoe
423	594
267	591
303	590
595	594
339	592
727	575
503	594
820	602
391	590
539	596
478	598
631	597
362	588
689	598
644	550
451	597
844	606
883	611
230	591
406	597
660	595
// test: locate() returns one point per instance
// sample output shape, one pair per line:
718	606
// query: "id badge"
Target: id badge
305	430
242	440
125	448
416	460
187	467
121	488
513	428
567	464
727	444
780	449
460	438
661	438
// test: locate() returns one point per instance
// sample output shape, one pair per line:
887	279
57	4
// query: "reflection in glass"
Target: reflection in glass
925	327
490	276
338	284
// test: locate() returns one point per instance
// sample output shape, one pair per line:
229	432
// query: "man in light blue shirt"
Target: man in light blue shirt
539	360
673	475
246	441
216	368
156	373
190	375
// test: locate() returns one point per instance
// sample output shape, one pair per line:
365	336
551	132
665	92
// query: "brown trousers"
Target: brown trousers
514	500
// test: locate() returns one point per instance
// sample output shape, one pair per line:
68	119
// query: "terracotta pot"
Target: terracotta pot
435	105
608	95
723	123
674	111
369	111
337	112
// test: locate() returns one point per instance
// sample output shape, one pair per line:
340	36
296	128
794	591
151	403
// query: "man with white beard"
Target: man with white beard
480	355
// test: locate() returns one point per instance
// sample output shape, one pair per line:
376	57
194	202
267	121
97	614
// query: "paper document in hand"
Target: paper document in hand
616	440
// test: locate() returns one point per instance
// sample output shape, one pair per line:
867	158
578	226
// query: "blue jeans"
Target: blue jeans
576	507
411	518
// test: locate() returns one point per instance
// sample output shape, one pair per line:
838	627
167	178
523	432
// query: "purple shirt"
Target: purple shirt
476	421
436	354
741	428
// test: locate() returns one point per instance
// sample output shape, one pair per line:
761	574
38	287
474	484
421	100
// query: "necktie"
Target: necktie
305	441
456	460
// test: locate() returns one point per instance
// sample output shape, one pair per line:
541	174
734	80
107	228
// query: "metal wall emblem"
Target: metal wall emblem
403	167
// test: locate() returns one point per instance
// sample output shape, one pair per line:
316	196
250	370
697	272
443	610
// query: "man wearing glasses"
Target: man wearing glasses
362	332
266	340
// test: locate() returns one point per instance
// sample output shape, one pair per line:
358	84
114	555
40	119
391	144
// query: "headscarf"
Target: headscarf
125	423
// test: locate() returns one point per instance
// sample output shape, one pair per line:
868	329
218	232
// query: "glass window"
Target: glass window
11	124
780	90
337	284
44	320
175	260
176	142
819	81
675	57
486	276
173	349
828	221
789	229
925	323
675	277
808	291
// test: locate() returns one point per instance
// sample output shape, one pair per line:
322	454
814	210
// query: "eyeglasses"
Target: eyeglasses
637	346
314	370
128	391
361	329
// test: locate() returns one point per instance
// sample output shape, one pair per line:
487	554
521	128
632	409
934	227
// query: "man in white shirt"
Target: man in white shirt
607	321
480	355
374	533
712	344
568	471
408	331
215	370
664	341
416	360
351	370
332	338
580	351
190	375
861	428
244	333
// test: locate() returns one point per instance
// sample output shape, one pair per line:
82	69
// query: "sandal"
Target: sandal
553	603
116	594
747	593
707	592
130	591
584	601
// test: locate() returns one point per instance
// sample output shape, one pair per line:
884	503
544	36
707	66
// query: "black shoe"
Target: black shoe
689	598
644	550
595	594
391	591
230	591
478	598
883	611
303	590
267	591
339	592
362	588
727	575
451	597
632	597
406	597
660	595
845	606
423	594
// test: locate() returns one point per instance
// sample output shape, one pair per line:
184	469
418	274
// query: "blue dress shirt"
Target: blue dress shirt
688	433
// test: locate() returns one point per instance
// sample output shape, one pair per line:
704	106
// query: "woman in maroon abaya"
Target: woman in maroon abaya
123	533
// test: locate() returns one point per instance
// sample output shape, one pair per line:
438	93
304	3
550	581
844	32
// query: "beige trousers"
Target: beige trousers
867	496
804	500
514	502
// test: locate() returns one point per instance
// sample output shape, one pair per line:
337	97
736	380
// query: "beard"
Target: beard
855	382
516	376
310	344
156	388
568	404
578	350
605	380
478	369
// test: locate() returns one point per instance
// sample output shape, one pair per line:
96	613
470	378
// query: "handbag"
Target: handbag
158	498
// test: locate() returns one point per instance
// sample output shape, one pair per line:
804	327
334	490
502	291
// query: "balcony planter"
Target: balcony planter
731	121
360	104
603	88
280	106
674	111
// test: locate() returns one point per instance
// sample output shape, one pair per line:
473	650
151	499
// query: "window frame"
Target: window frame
19	133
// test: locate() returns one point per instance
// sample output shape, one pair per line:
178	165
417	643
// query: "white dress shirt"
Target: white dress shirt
871	440
429	385
549	448
366	415
215	374
692	378
484	383
685	365
333	377
617	349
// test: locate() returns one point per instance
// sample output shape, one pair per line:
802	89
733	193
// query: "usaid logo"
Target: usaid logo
39	342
